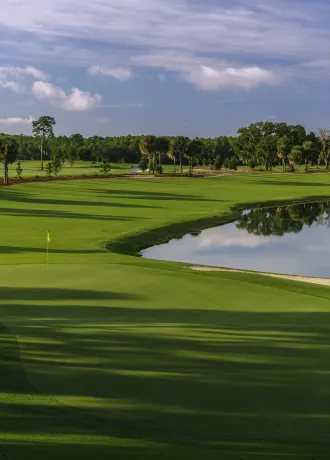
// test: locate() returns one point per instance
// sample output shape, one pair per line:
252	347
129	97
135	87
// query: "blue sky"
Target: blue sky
192	67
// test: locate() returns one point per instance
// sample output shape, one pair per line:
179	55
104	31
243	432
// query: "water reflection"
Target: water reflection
291	239
284	219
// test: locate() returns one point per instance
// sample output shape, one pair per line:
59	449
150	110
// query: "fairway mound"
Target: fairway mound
304	279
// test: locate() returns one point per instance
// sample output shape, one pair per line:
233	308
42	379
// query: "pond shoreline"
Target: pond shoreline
303	279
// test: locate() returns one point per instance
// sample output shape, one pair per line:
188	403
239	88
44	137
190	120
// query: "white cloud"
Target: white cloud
75	101
13	121
282	27
210	74
12	86
119	73
280	31
210	78
33	72
11	77
18	73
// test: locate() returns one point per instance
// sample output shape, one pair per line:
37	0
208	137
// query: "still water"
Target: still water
291	239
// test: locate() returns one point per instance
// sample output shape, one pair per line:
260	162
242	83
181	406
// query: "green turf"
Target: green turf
31	169
107	355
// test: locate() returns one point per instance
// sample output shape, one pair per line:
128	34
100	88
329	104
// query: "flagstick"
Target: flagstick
47	256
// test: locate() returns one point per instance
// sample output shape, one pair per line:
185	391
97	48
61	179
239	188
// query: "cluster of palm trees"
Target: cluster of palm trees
176	148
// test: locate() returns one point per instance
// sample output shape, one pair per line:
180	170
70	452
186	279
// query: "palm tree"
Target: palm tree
161	146
295	156
283	147
307	152
194	149
147	147
178	147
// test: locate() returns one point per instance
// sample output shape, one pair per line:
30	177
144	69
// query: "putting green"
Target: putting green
114	356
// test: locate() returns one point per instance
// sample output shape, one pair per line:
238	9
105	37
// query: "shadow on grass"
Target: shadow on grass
61	214
14	196
196	383
19	250
158	196
291	183
61	294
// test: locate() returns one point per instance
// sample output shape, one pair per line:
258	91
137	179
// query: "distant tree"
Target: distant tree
218	163
57	163
19	170
317	147
43	128
307	152
8	154
266	151
283	150
325	149
49	170
178	147
226	163
194	150
161	147
232	163
75	142
105	167
159	169
295	156
147	147
224	148
252	163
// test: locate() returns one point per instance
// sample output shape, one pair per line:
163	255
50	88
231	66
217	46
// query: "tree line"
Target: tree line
262	144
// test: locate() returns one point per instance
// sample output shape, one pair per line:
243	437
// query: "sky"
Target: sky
165	67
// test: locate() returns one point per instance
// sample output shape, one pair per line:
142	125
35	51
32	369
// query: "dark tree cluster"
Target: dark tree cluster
268	144
262	144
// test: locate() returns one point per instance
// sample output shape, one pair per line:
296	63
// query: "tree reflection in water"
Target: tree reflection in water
284	219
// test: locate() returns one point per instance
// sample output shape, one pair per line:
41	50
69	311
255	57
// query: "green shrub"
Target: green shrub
49	170
19	170
144	163
226	163
252	163
56	165
218	162
232	164
159	169
105	167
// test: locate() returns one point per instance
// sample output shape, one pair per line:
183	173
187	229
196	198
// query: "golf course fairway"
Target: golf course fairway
105	355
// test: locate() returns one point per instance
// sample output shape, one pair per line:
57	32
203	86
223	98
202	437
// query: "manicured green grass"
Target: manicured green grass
31	168
108	355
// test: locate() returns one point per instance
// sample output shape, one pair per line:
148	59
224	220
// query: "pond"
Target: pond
293	239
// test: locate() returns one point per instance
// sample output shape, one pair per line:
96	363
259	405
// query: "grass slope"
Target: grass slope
113	356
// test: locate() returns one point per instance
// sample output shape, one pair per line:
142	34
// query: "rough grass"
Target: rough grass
114	356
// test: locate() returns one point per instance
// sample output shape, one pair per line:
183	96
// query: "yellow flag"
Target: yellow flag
48	237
